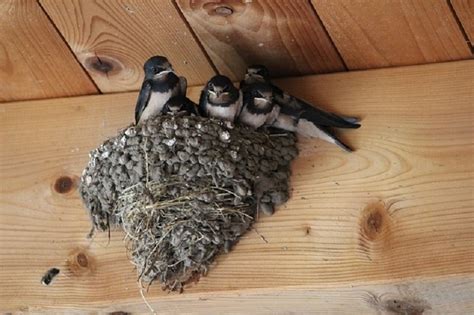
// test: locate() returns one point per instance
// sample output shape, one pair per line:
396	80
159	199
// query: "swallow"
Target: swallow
179	104
258	107
160	84
220	99
259	73
297	115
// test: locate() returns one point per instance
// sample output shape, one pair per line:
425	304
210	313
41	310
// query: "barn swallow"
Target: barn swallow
220	99
180	104
259	73
258	105
160	84
297	115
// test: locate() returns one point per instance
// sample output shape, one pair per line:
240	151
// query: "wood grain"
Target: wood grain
373	34
465	12
284	35
34	61
112	39
392	221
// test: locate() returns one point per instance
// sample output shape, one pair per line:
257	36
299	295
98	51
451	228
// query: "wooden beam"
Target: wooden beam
465	11
34	61
391	222
112	40
374	34
286	36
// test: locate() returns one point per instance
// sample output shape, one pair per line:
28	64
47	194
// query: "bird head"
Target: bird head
157	66
257	73
262	95
220	89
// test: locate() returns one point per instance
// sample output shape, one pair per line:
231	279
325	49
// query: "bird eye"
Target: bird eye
226	89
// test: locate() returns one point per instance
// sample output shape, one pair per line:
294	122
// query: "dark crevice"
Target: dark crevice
461	27
68	46
101	66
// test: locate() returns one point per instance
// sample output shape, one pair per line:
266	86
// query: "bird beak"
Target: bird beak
166	71
162	73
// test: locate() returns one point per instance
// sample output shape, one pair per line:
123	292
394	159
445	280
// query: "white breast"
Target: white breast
228	113
156	103
252	120
225	113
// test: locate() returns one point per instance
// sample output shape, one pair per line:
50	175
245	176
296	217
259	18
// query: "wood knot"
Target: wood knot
396	304
374	221
80	263
373	224
404	306
64	184
102	65
223	10
375	229
307	230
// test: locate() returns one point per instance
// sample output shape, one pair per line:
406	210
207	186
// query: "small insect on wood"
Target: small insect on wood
49	276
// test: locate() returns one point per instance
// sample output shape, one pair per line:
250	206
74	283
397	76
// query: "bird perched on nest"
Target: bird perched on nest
295	114
159	86
258	105
179	104
220	99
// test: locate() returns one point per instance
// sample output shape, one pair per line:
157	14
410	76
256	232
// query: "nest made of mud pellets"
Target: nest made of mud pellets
184	189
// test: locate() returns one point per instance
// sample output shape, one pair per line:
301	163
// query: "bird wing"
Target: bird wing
308	129
183	85
291	105
190	106
143	98
240	105
323	118
203	104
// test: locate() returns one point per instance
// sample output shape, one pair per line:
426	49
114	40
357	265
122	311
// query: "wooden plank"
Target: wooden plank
357	225
438	296
465	12
112	40
284	35
373	34
34	61
452	295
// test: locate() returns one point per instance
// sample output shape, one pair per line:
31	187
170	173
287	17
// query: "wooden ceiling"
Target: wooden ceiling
52	48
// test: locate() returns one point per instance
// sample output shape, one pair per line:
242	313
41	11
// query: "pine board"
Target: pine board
286	36
374	34
112	39
34	61
391	223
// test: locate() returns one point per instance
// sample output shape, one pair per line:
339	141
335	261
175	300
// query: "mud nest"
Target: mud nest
184	189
